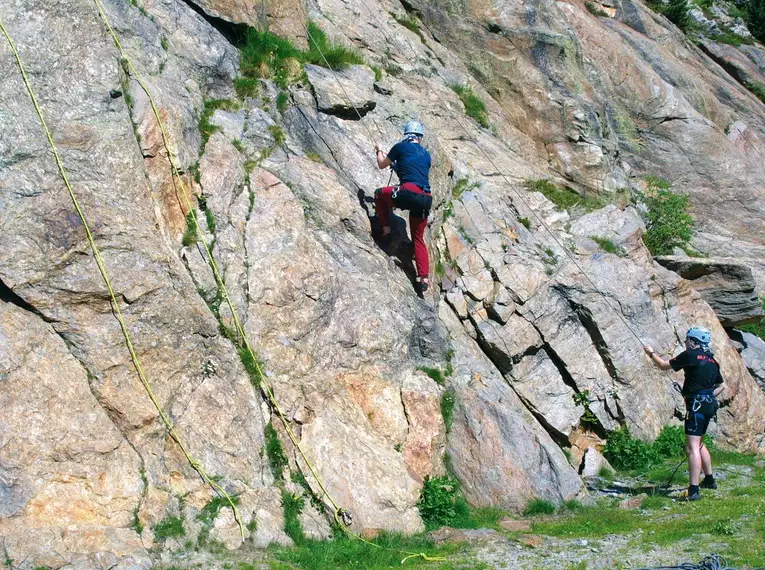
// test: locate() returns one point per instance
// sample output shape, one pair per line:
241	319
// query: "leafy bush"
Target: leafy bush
323	52
440	501
677	12
539	507
564	199
669	224
671	442
169	527
625	452
474	106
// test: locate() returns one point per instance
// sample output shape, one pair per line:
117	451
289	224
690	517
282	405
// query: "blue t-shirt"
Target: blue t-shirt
411	161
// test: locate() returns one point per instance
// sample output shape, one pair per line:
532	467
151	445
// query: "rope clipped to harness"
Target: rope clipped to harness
712	562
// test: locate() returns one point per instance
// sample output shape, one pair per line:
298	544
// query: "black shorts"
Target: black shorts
699	412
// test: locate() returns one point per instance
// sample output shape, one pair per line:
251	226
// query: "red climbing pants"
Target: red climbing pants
408	197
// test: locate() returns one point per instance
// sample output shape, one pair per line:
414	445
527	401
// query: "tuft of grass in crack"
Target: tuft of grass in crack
563	198
206	128
474	105
277	458
169	527
608	246
191	235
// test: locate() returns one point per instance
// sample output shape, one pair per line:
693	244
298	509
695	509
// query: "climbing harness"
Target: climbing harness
491	161
112	296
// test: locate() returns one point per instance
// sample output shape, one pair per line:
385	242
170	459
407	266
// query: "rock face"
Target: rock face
726	285
530	336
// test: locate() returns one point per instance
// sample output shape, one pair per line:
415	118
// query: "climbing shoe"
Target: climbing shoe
708	482
693	493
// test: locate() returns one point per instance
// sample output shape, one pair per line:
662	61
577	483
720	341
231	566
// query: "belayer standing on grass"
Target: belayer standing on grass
411	162
702	385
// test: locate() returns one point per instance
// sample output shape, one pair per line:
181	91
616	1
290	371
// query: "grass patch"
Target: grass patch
293	506
732	512
206	128
757	88
246	87
169	527
447	409
731	38
525	222
410	22
324	52
434	373
668	223
277	458
347	552
595	10
136	523
281	101
474	106
191	235
268	56
539	507
608	246
463	185
278	133
377	71
252	365
313	156
563	198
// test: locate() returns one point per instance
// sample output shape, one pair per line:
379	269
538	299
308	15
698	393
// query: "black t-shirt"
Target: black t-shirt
702	372
411	161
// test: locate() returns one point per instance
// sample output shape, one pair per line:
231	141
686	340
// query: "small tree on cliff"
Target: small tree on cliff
755	20
677	13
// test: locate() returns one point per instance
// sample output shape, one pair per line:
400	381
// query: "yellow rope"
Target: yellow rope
115	305
219	280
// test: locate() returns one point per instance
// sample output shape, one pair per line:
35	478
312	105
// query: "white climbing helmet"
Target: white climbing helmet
414	128
700	335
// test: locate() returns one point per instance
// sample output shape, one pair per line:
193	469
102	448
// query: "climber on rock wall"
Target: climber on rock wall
702	385
411	162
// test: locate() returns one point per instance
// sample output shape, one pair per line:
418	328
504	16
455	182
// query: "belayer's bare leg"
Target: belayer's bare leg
692	448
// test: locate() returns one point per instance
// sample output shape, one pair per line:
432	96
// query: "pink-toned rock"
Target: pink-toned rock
513	525
425	440
531	540
632	503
